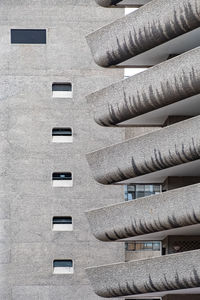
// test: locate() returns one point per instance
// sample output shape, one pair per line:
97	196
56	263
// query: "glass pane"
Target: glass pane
62	263
28	36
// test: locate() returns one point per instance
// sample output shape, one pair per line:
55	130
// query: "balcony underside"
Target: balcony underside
167	83
169	210
172	146
153	24
159	274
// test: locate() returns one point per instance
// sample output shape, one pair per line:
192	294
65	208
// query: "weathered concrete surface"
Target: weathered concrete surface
28	156
153	24
168	210
166	83
170	272
164	148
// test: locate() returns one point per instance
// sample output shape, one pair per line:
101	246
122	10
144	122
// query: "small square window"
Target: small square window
28	36
62	224
63	266
62	135
62	90
62	179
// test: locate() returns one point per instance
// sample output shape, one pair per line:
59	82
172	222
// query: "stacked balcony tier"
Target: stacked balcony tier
171	272
169	210
164	84
153	24
162	149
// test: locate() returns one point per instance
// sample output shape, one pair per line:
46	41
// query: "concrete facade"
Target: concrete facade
28	156
159	163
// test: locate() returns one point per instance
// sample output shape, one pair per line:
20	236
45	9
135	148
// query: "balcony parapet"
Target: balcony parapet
106	3
172	209
169	82
164	148
153	24
170	272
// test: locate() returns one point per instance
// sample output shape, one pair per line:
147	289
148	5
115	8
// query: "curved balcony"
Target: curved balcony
107	3
169	210
162	149
167	83
165	273
153	24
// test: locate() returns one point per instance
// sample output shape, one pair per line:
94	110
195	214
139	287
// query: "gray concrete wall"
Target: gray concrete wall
28	157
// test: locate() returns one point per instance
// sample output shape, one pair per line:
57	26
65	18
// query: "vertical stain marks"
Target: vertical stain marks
179	86
162	283
185	17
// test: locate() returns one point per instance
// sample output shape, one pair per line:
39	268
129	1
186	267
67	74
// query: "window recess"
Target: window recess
62	179
63	266
62	90
62	224
62	135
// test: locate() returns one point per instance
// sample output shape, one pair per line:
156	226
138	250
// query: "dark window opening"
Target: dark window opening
28	36
62	176
63	263
62	220
62	132
62	87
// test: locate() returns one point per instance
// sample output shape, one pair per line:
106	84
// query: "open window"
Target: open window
62	135
62	90
64	266
62	179
62	224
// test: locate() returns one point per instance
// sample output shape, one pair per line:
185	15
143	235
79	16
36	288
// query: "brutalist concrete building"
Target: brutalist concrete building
158	162
68	88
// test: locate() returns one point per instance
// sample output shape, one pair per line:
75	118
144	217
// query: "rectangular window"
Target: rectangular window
62	135
63	266
142	246
28	36
62	90
135	191
62	179
62	224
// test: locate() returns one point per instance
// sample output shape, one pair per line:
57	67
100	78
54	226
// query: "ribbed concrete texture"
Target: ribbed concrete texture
107	3
151	25
170	272
161	85
164	148
160	212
